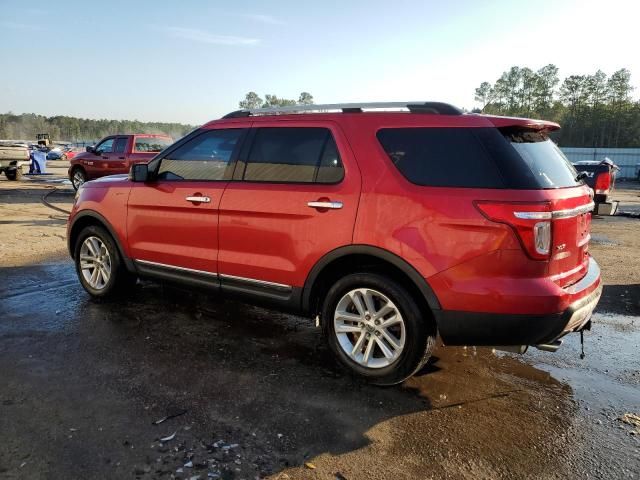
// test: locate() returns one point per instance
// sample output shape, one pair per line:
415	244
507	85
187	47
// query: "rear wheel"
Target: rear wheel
15	174
376	328
77	177
98	263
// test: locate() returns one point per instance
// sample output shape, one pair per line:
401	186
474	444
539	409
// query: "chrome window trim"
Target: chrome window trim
263	283
173	267
573	212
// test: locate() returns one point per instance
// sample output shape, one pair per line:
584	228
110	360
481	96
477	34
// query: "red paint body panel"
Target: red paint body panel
107	197
164	227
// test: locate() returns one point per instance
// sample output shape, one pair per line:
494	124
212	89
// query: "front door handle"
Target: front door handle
325	204
198	199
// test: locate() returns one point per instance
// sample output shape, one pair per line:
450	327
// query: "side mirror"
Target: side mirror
91	149
139	172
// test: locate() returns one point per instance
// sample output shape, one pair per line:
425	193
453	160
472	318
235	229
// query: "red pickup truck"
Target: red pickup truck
115	154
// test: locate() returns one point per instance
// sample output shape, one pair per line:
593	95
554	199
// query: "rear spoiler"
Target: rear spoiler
524	123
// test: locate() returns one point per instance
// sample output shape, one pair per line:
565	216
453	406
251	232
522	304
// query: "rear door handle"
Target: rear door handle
198	199
326	204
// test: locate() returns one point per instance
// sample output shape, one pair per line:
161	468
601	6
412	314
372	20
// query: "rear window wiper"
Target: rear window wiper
581	176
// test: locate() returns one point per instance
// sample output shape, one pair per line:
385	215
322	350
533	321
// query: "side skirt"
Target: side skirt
258	292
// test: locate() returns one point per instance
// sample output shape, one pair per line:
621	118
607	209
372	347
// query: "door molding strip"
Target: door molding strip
173	267
222	276
259	283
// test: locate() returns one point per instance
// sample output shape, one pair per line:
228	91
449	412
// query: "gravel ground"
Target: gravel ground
257	394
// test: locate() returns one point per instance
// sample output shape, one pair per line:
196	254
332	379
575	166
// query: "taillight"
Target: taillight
603	183
530	221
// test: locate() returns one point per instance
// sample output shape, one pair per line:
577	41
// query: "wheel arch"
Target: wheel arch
86	218
343	259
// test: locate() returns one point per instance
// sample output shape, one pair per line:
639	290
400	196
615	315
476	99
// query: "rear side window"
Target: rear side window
204	157
441	157
120	144
478	157
151	144
293	155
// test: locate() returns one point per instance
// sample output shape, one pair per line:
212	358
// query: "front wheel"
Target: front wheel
98	263
15	174
375	328
77	177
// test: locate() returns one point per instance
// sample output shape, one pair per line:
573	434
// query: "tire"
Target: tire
78	176
117	279
414	334
14	175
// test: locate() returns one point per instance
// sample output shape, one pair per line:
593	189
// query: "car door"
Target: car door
173	218
117	162
96	165
293	199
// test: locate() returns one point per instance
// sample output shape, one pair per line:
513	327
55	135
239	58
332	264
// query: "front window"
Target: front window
106	146
205	157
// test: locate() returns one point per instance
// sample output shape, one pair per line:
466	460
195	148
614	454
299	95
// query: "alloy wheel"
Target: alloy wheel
78	179
369	328
95	262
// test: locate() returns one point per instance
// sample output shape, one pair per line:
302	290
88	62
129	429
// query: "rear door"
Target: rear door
293	199
173	219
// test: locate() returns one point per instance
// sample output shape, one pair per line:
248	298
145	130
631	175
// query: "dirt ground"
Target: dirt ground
257	394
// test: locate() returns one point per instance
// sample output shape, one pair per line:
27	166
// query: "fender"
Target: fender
103	221
378	252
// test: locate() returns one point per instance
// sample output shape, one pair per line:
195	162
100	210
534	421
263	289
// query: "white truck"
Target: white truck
14	160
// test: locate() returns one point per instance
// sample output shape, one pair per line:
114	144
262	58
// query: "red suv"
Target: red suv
387	227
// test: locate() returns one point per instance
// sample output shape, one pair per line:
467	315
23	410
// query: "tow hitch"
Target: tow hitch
587	326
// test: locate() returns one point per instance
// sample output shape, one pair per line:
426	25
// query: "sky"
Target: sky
191	61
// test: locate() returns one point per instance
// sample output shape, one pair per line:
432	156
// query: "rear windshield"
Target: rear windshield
152	144
477	158
543	157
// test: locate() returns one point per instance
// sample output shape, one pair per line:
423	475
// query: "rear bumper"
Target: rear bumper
477	328
606	208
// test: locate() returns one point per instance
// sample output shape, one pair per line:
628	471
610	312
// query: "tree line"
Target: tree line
61	128
594	110
252	100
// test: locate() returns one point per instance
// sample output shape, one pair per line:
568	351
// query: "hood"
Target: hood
84	155
109	179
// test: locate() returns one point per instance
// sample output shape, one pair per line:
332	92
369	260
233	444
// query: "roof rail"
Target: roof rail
438	108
